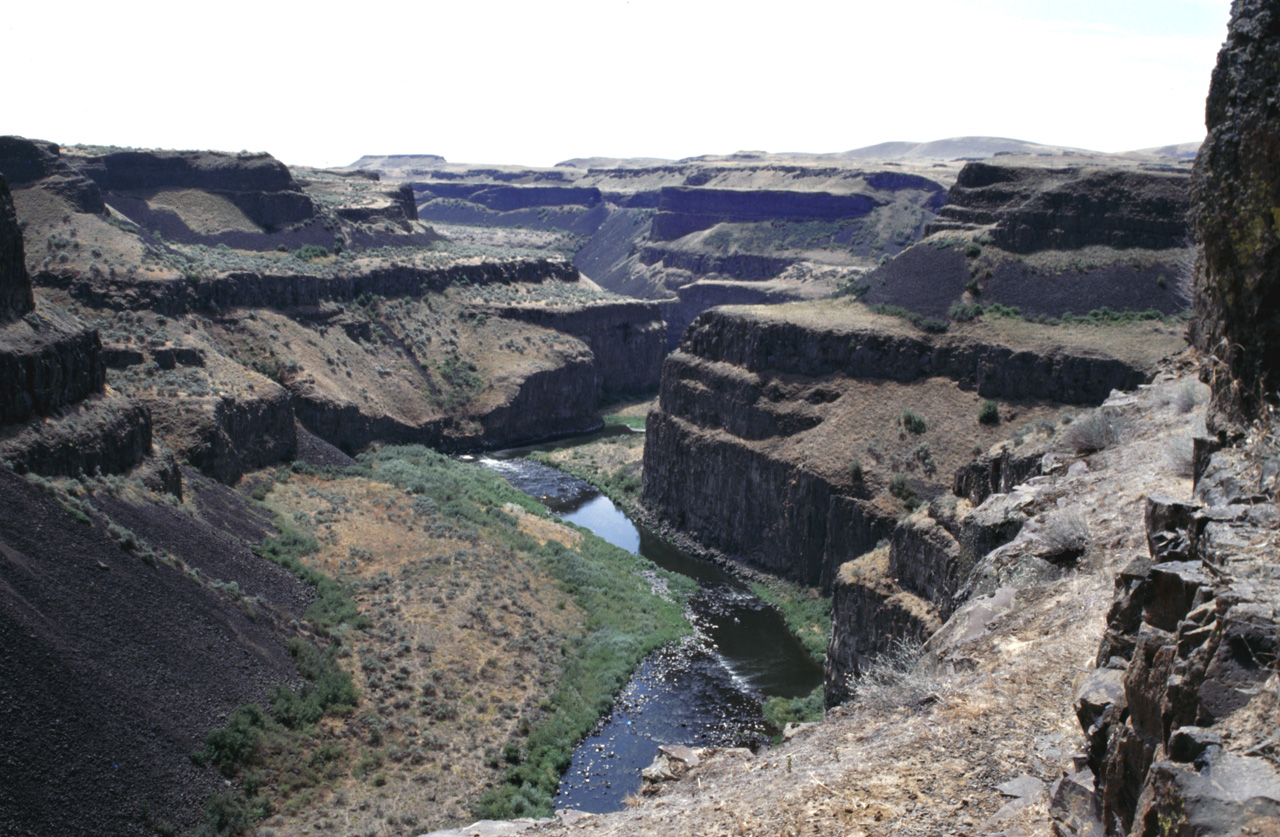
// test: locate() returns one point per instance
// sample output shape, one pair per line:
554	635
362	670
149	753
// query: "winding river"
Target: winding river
704	691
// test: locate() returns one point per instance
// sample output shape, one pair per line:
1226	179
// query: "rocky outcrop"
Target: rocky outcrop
760	509
15	286
546	403
870	612
103	434
552	402
743	267
509	198
740	384
1030	208
994	371
1187	745
1236	187
397	206
627	337
239	289
682	210
258	184
1193	638
48	360
24	162
226	436
996	472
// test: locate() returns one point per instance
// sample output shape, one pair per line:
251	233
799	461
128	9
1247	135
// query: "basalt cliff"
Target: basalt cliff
182	265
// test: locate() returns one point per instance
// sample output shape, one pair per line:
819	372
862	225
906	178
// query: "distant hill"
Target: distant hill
1180	151
611	162
396	161
950	149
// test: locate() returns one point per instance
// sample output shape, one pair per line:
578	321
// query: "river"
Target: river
705	691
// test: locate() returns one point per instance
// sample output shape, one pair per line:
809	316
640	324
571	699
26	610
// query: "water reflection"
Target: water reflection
705	691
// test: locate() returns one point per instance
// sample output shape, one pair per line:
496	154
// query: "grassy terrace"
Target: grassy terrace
481	641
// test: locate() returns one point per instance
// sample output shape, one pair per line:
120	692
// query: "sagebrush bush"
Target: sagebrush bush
901	488
1064	533
1187	397
1180	454
913	422
897	677
989	413
1096	431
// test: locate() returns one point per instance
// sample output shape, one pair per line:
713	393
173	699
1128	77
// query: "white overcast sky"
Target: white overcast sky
542	81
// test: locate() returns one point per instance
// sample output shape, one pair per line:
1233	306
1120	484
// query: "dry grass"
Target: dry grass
1096	431
1064	532
464	644
201	211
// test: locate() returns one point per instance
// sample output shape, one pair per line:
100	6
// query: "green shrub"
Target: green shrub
780	711
901	488
913	422
855	470
310	252
964	312
989	413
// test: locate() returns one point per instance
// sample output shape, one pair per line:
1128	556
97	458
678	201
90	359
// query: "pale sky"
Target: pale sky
538	82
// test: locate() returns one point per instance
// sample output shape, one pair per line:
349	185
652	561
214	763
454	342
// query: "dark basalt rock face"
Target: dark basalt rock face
24	162
1035	208
707	471
682	210
1194	630
15	285
105	433
242	289
260	185
1193	636
627	337
48	360
401	207
1236	187
503	198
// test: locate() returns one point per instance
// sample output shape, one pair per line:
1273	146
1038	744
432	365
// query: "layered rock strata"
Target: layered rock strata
240	289
258	184
1030	208
717	460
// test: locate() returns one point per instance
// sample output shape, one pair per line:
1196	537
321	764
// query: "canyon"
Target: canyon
954	397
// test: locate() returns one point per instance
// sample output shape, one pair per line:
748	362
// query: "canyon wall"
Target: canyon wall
258	184
683	210
243	289
1039	208
15	286
1236	317
993	370
1179	714
745	450
627	337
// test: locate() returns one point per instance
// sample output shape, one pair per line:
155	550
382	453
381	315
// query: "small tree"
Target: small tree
989	413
